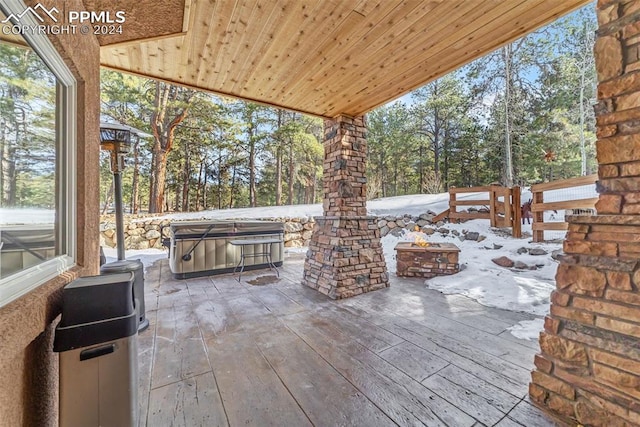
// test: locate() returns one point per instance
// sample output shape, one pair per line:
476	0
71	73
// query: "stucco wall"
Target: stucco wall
28	367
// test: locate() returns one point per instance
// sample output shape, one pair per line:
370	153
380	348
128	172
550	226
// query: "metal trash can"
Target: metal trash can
98	345
136	267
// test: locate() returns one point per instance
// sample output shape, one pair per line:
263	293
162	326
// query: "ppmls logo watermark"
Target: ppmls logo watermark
33	11
78	22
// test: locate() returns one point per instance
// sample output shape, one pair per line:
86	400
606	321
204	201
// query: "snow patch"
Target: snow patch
527	329
147	256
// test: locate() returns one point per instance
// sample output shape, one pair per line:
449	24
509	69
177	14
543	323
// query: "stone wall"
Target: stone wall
588	369
143	232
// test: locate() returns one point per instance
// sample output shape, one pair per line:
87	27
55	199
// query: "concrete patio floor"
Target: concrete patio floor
275	353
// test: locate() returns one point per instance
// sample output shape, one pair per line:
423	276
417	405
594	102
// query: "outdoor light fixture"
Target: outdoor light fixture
112	134
116	139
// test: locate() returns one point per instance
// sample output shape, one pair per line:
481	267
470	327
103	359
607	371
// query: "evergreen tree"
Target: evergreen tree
170	106
27	129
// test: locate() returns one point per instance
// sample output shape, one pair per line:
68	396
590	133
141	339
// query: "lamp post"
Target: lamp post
117	140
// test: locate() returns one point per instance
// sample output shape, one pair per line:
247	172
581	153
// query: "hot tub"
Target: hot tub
202	248
23	246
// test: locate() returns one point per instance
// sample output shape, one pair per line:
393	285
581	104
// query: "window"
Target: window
37	159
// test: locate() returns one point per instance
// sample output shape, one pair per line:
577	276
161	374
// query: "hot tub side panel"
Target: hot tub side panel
214	254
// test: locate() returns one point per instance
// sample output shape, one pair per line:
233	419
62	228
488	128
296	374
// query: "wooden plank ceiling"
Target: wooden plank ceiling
327	57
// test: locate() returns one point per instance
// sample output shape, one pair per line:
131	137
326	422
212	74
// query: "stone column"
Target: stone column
589	365
345	255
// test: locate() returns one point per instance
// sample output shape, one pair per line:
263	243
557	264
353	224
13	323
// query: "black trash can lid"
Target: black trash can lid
122	266
96	309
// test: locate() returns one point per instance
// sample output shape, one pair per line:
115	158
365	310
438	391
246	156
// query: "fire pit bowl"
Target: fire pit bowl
425	259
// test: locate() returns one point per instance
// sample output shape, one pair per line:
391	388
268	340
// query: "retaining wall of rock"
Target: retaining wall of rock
145	231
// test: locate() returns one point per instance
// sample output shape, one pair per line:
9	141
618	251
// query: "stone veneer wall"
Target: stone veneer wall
589	365
345	254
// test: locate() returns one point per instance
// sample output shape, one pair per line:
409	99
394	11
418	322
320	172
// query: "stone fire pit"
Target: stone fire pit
436	259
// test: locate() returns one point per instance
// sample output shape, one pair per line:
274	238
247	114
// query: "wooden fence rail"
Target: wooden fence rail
503	204
539	206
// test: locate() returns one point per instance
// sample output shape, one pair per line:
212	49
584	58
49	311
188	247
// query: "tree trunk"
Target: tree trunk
152	181
252	175
314	183
8	170
508	160
292	173
395	178
204	193
164	120
9	181
252	164
583	144
205	189
199	187
436	141
156	192
186	175
436	156
279	175
279	160
421	168
233	185
445	163
382	174
135	180
107	201
220	183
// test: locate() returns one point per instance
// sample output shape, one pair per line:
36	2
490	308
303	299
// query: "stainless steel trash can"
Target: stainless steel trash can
98	345
137	268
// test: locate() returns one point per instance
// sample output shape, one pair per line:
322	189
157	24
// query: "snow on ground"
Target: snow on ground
27	216
415	204
147	256
527	329
487	283
294	211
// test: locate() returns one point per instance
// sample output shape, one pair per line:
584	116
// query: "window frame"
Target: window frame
25	281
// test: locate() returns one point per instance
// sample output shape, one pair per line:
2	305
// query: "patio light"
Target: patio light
116	139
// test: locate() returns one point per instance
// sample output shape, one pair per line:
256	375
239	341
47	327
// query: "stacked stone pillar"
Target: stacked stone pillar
588	369
345	254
